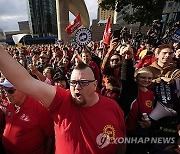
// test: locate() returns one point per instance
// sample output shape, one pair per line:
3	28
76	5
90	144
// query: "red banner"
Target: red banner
74	24
107	32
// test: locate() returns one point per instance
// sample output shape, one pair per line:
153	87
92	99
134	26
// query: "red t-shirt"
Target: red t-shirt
27	130
3	106
141	105
2	123
76	128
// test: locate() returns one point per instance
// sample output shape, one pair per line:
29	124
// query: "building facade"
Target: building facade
104	14
98	29
42	15
171	13
23	25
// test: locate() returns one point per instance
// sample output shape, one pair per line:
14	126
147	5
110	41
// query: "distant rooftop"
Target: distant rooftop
102	21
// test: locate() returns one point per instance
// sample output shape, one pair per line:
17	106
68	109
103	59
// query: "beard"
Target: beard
79	102
114	66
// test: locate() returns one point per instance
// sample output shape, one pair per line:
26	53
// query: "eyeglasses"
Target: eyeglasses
82	83
116	60
144	77
9	91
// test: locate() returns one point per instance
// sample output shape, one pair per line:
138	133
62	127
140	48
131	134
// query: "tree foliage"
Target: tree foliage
143	11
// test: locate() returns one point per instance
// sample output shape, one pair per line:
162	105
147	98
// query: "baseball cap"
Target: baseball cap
43	55
59	77
6	84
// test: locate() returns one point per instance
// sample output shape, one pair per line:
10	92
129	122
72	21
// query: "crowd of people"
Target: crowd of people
59	98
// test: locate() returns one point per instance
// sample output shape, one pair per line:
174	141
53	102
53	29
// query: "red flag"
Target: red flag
107	32
74	24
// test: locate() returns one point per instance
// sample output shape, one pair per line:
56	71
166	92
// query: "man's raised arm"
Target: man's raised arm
23	81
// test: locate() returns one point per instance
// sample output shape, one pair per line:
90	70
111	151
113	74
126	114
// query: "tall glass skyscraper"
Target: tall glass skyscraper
43	17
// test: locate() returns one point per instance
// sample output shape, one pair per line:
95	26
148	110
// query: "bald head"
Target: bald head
84	71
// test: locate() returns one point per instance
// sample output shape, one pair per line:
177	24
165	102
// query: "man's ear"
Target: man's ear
95	84
156	54
135	79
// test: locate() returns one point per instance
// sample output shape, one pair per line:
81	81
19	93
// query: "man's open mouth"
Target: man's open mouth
78	94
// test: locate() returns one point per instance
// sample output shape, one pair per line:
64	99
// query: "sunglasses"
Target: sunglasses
116	60
9	91
82	83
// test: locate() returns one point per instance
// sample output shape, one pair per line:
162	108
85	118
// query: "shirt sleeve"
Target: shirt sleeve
58	99
48	81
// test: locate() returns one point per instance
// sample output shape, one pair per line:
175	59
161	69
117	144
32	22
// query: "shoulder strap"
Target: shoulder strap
174	74
178	87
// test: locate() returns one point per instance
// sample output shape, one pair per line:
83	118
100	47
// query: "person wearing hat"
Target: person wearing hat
142	103
60	80
27	122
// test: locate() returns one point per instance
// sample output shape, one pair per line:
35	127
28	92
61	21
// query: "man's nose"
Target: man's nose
78	86
146	79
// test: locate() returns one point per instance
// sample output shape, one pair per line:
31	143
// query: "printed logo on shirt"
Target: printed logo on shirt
148	103
25	117
9	114
107	137
110	131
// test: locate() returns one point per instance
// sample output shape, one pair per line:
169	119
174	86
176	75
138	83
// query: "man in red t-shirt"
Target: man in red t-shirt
111	72
82	118
27	123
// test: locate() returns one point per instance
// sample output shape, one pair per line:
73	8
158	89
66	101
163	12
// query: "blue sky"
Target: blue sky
12	11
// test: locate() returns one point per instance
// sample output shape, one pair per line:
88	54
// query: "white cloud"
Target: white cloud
8	17
13	11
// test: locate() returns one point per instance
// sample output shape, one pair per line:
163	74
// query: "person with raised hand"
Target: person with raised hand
82	118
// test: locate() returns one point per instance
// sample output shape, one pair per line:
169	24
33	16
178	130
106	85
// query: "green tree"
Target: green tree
143	11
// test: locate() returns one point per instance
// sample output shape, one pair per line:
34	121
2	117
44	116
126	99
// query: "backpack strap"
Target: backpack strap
178	87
